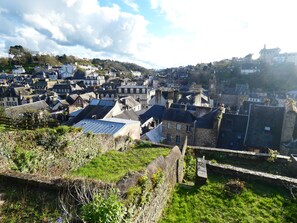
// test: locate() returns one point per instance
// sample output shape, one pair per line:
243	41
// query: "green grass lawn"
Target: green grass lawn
28	204
113	165
210	203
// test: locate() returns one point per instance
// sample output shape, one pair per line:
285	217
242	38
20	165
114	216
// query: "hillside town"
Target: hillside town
92	141
161	106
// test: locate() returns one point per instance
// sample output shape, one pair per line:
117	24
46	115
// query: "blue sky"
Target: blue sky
152	33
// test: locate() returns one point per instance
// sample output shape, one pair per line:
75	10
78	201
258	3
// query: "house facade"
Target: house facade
140	93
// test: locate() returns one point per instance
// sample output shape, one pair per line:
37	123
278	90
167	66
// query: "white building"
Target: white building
67	70
18	69
140	93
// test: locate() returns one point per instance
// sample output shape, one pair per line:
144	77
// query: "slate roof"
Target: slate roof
88	96
244	109
71	98
177	115
130	102
232	131
97	109
265	126
75	113
129	115
156	111
155	135
35	106
207	121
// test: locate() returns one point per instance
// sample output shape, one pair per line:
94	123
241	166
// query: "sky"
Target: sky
151	33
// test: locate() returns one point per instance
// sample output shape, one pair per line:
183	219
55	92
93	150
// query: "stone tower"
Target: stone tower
212	87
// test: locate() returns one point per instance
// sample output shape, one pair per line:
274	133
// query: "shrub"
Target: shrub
23	160
234	187
190	168
143	144
157	178
272	155
62	130
104	209
89	134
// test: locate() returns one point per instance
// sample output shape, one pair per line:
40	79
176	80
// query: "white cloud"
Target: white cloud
132	4
73	23
232	28
202	31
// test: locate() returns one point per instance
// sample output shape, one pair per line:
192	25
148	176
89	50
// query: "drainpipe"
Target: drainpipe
247	126
194	136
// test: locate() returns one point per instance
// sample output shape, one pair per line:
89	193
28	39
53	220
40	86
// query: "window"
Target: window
177	139
178	126
143	90
168	125
168	138
267	130
137	90
188	128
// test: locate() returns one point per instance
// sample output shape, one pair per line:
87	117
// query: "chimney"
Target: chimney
168	103
170	95
217	122
158	95
197	98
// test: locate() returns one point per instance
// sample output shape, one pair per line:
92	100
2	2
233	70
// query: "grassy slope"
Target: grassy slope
24	204
258	203
113	165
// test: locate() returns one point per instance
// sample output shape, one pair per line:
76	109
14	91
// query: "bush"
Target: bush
143	144
234	187
104	209
190	168
272	155
158	178
23	160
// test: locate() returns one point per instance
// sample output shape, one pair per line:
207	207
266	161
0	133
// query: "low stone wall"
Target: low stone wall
47	183
207	151
148	213
56	154
152	211
246	174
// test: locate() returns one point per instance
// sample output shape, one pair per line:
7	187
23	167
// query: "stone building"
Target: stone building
140	93
201	131
177	124
260	127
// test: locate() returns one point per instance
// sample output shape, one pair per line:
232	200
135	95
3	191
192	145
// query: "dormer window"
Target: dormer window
267	129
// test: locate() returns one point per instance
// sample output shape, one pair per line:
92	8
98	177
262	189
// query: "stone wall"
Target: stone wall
208	152
205	137
132	130
56	154
246	174
173	132
152	211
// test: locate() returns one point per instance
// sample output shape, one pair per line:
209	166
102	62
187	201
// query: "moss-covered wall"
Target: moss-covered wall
53	152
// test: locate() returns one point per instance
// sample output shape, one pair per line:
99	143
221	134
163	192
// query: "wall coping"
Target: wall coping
236	152
248	172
